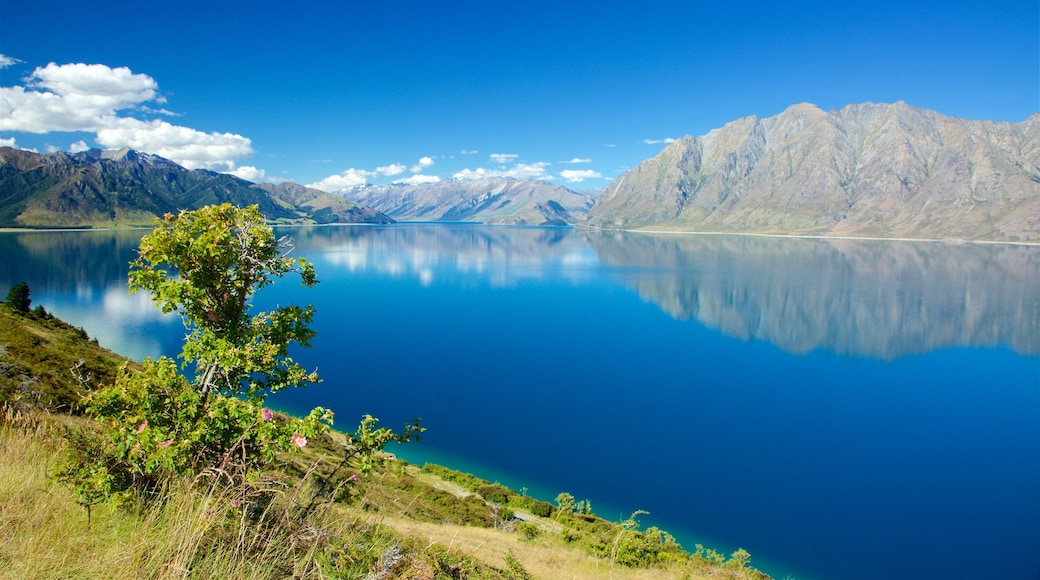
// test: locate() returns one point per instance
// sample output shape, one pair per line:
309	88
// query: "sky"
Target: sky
333	94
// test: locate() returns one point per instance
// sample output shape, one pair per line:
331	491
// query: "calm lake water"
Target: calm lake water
840	409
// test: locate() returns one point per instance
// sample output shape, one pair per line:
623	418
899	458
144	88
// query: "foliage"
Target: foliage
18	297
206	265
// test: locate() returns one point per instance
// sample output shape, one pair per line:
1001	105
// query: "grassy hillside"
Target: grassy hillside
400	521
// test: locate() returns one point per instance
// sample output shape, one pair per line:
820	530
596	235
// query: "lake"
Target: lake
841	409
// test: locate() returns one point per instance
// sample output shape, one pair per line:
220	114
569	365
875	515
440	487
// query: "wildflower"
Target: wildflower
267	415
235	503
299	440
143	424
354	478
166	443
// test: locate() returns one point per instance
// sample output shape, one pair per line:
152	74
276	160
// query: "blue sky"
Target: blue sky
330	94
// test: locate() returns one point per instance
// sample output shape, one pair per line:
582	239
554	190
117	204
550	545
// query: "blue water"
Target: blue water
840	410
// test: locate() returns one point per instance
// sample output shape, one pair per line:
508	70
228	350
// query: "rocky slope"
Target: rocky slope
493	201
126	188
870	170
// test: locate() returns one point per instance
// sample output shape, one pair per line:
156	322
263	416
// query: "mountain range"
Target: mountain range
493	201
127	188
866	170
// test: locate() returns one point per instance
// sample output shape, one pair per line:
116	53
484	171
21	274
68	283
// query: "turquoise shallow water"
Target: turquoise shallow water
839	409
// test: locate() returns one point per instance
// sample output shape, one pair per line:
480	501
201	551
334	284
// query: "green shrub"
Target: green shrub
542	509
494	493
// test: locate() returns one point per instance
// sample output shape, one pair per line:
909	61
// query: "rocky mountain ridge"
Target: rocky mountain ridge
126	188
493	201
866	170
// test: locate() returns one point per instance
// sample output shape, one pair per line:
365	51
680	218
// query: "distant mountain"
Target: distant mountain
493	201
126	187
870	170
324	207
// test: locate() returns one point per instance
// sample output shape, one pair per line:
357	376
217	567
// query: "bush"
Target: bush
542	509
494	493
528	531
18	297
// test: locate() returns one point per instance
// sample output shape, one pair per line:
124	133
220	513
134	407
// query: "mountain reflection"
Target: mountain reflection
870	298
433	252
881	299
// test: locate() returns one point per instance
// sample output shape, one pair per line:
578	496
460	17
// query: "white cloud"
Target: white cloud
9	142
248	172
422	164
577	160
6	61
611	145
51	148
518	171
503	157
95	98
465	152
348	178
188	147
419	179
660	141
392	169
577	176
79	147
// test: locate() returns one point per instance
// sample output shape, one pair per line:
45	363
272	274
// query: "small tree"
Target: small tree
205	265
18	297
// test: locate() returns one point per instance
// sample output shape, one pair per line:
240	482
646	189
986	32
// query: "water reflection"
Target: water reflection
869	298
501	256
880	299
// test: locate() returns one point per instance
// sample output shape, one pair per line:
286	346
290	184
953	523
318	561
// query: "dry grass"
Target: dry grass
195	532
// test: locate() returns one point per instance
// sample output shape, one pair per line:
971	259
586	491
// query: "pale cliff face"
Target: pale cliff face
865	170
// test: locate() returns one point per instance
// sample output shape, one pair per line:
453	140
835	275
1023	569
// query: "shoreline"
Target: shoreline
952	241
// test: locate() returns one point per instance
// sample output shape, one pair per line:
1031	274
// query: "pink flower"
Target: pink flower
166	443
354	478
143	424
235	503
267	415
299	440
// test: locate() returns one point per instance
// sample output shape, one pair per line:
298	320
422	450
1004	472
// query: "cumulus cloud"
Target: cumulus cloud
9	142
248	172
518	171
191	148
419	179
503	158
577	176
392	169
660	141
423	163
99	99
577	160
348	178
79	147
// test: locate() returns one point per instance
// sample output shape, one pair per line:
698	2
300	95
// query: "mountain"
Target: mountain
126	187
493	201
867	170
324	207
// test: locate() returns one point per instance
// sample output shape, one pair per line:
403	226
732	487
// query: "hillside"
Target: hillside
399	521
128	188
492	201
867	170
